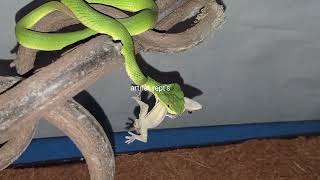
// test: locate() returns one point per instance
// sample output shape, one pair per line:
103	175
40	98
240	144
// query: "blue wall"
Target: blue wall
62	148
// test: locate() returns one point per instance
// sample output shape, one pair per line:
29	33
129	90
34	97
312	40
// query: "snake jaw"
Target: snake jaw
172	99
170	95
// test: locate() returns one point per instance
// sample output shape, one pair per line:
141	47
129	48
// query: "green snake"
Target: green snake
145	17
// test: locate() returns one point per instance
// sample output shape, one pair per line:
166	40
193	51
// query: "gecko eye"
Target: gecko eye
168	105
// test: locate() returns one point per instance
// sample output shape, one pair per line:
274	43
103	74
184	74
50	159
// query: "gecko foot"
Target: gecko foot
130	139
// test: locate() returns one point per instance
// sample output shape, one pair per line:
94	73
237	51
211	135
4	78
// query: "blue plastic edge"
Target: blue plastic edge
62	148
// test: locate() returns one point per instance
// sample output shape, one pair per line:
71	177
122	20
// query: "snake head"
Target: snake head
172	97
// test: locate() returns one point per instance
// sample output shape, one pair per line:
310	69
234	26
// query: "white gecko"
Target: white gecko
153	118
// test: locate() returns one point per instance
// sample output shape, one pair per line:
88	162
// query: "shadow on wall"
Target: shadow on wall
167	77
5	69
88	102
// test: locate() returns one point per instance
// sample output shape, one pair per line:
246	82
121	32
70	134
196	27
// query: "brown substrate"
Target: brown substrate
282	159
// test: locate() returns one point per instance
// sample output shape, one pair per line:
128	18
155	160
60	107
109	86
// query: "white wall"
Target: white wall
261	66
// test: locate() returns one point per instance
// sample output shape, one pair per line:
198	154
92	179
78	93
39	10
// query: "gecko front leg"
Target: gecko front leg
152	119
142	137
146	121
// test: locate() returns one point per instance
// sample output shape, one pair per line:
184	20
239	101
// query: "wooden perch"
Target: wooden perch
44	94
48	93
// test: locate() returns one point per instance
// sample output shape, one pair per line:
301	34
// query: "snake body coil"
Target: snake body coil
96	22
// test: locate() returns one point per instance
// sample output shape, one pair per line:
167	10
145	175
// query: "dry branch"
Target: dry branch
48	93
